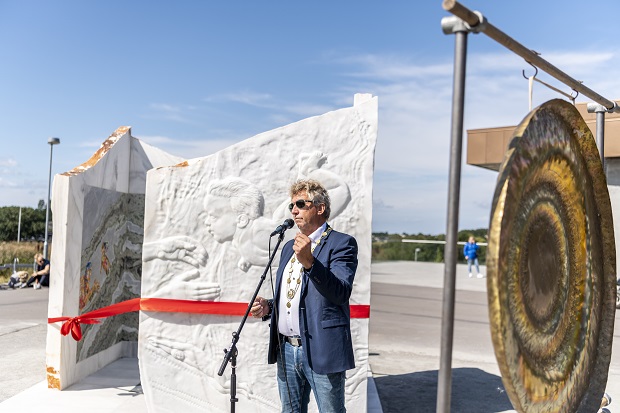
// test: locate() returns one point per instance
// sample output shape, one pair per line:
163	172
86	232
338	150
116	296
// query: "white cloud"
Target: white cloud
8	183
90	144
8	163
268	101
157	140
170	112
586	63
390	67
188	149
246	97
307	109
9	169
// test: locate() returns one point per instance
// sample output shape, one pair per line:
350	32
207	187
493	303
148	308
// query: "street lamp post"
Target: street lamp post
52	142
416	253
19	224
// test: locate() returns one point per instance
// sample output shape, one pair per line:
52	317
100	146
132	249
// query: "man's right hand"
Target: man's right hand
260	308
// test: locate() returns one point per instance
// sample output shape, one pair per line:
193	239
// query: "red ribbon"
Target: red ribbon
73	324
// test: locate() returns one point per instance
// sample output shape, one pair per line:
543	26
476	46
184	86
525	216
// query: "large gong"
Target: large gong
551	265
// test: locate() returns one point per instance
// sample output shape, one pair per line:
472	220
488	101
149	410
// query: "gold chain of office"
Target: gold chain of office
290	292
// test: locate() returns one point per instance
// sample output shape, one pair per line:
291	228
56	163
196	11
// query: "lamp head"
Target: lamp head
53	141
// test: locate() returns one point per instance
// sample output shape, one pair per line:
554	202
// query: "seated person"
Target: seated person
41	275
18	278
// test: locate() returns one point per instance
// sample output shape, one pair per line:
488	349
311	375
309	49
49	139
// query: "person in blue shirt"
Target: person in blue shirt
471	255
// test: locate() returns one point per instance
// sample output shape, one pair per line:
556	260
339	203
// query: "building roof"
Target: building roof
486	147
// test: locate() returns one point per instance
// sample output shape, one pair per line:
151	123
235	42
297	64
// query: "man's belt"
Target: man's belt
294	341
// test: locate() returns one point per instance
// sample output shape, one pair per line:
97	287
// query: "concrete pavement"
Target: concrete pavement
23	327
405	345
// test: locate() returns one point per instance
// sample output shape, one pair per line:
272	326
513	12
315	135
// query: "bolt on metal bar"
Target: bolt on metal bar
472	19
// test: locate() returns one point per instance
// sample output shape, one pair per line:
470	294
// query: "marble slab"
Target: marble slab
200	244
116	170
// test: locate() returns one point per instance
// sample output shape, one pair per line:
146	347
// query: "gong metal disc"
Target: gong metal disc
551	265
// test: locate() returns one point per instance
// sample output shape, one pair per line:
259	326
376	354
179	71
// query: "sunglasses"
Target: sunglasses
300	204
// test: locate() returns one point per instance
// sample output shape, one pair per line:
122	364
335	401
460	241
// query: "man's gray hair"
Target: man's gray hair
316	192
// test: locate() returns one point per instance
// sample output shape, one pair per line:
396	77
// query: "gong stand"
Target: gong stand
462	23
231	353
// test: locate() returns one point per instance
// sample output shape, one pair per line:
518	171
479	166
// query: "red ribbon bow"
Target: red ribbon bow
72	324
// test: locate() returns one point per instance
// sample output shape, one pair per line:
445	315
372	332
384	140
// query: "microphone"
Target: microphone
288	223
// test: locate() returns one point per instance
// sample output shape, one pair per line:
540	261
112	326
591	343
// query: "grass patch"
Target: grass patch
23	251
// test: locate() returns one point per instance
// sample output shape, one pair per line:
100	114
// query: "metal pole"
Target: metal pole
600	135
19	224
454	186
600	111
52	142
530	56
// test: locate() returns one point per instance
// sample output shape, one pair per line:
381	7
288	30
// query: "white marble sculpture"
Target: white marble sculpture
98	226
207	225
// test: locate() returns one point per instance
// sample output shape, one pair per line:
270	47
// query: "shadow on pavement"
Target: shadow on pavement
473	391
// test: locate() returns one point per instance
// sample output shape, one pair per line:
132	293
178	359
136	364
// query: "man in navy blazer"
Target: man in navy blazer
310	333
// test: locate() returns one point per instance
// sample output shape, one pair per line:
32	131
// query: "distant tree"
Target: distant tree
439	255
388	247
41	204
32	223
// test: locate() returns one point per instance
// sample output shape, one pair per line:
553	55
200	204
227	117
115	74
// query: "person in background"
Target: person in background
17	279
42	274
471	255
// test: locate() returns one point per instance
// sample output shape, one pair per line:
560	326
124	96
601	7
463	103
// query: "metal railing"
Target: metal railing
16	265
428	241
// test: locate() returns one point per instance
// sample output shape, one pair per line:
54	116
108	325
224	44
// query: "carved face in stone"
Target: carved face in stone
221	219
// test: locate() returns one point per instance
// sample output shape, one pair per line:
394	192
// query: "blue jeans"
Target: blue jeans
328	388
469	262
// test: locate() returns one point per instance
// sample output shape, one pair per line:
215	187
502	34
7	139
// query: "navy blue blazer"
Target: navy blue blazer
324	313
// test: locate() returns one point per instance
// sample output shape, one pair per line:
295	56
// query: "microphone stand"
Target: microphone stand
230	354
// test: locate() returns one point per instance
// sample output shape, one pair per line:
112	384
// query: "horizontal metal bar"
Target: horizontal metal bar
427	241
6	266
530	56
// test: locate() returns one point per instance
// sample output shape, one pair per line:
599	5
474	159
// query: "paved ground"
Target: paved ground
405	345
405	333
404	348
23	327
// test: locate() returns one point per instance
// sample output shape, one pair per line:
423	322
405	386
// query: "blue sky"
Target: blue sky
193	77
